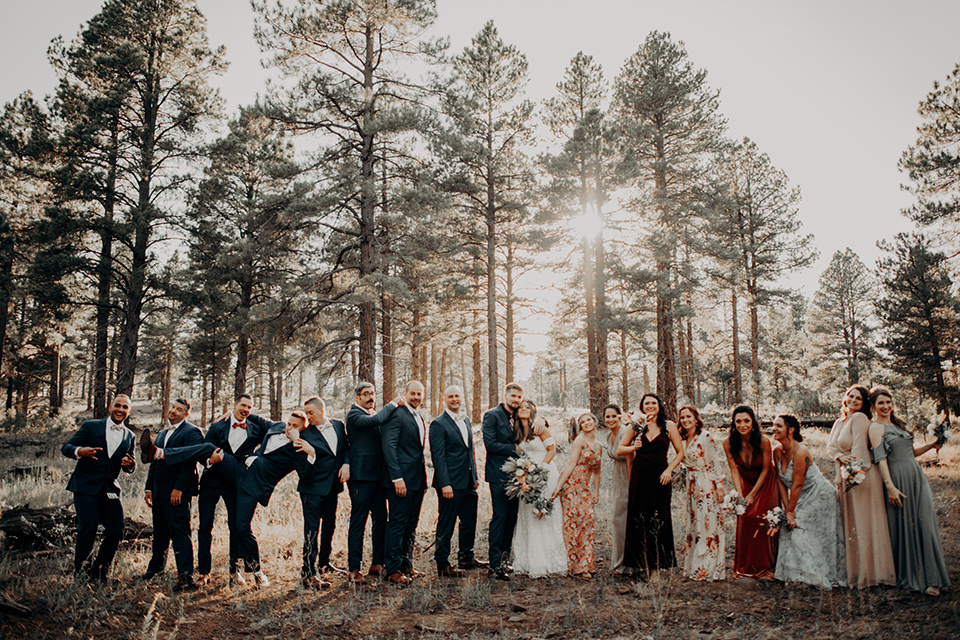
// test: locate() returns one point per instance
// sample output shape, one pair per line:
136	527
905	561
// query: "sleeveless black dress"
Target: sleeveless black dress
649	535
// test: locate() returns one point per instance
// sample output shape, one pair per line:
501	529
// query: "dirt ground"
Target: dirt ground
472	607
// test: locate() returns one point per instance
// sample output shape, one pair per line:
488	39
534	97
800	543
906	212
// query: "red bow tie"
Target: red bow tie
241	425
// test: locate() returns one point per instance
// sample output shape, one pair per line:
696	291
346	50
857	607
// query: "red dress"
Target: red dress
755	552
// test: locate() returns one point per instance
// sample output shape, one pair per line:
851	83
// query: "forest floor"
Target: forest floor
472	607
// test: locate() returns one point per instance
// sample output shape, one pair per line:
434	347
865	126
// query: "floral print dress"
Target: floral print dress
579	526
704	544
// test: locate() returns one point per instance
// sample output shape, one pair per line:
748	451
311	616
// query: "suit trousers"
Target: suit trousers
402	529
463	507
319	515
93	511
247	545
366	498
502	523
207	510
171	526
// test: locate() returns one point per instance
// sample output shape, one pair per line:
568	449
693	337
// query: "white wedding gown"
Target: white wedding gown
538	548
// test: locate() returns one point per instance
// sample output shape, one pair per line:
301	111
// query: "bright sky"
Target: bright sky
827	89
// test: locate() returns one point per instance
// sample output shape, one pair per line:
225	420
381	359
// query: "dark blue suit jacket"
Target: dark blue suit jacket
322	477
498	441
366	448
163	478
454	463
219	436
269	469
403	451
92	476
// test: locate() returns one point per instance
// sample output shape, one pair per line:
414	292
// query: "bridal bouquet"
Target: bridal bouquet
939	431
853	473
527	481
735	502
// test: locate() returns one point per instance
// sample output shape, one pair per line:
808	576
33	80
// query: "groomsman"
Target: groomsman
234	439
455	479
283	451
500	443
367	494
319	489
169	488
101	448
403	438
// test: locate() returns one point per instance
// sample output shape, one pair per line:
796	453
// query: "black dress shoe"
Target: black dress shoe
185	583
147	449
500	574
149	575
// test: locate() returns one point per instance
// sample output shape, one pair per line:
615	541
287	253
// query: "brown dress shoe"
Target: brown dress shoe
376	570
398	578
147	449
413	573
451	572
314	582
356	578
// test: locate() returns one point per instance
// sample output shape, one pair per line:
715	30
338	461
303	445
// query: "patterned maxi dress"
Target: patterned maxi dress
705	543
579	525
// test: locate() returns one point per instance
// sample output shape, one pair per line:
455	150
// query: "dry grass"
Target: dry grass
475	607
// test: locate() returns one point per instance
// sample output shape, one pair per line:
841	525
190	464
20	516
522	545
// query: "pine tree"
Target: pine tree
840	319
933	163
670	124
920	315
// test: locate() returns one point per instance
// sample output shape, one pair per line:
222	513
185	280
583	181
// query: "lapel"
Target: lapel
321	442
456	430
270	432
122	447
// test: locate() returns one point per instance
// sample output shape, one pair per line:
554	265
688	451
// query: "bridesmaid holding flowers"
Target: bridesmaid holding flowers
705	542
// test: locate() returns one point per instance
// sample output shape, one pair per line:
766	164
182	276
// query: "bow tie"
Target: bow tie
240	425
115	427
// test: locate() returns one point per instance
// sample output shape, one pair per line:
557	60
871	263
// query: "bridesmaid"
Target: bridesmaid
811	547
612	416
865	529
750	458
649	536
914	533
705	543
578	499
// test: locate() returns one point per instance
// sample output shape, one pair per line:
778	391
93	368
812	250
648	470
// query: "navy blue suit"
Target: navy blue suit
220	481
403	459
367	495
319	489
257	485
91	482
171	523
454	466
498	439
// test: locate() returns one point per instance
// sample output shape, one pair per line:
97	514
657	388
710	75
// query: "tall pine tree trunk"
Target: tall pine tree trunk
386	345
737	376
368	202
508	324
624	380
493	358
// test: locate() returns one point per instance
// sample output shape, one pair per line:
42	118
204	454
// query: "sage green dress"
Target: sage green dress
914	533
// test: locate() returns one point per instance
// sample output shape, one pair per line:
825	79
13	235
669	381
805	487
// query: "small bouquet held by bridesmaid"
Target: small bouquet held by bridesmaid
940	431
734	502
853	473
527	481
775	518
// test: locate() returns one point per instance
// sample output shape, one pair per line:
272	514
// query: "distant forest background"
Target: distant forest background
379	213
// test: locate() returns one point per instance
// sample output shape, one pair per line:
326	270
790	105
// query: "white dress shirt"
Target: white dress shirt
330	435
461	423
237	436
114	433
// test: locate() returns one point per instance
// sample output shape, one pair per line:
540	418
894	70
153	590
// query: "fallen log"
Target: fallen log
11	606
29	529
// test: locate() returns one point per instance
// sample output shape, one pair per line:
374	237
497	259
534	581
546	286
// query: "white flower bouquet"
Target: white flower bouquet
853	473
775	518
940	431
733	501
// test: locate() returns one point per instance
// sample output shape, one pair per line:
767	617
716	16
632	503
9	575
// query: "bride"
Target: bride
538	548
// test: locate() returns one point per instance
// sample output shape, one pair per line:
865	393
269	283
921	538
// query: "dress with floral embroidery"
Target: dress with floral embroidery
578	514
705	544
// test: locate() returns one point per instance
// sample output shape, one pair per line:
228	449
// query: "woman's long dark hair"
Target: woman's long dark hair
793	424
735	443
519	433
881	390
864	398
661	410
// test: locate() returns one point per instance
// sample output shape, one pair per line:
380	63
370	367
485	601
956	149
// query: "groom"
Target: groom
500	443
